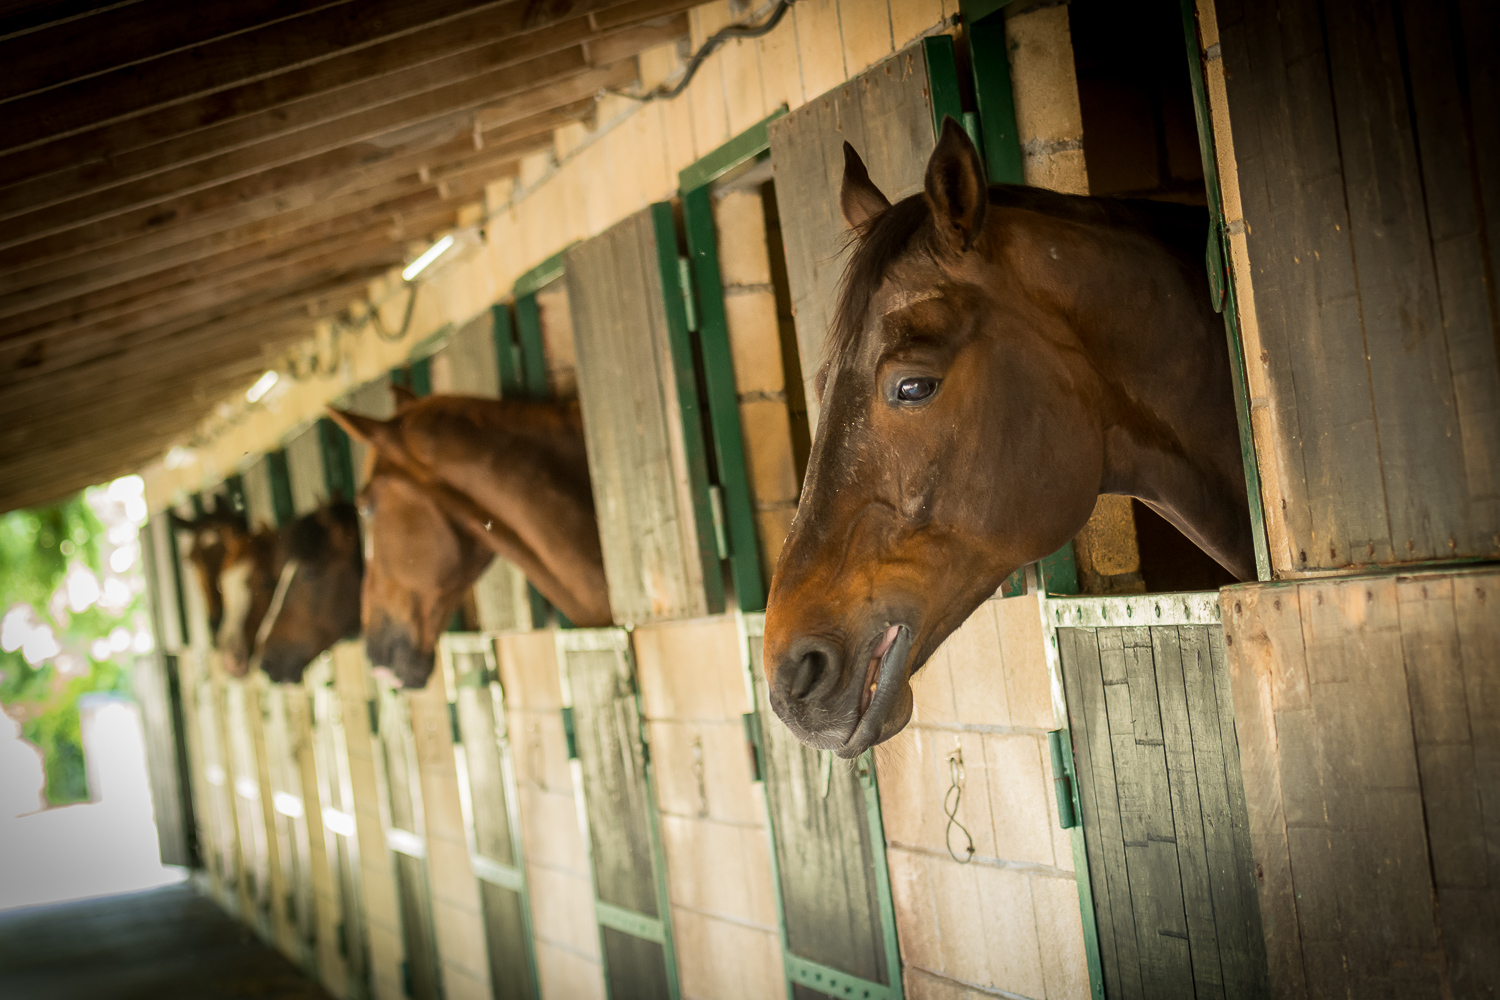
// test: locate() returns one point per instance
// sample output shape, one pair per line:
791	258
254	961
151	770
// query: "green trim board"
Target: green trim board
1221	284
741	537
942	81
490	797
529	345
615	788
989	62
416	376
749	144
507	350
779	758
338	461
541	275
280	478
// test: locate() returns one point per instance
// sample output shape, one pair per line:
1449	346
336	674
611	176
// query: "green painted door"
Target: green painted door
838	926
1171	874
612	775
495	849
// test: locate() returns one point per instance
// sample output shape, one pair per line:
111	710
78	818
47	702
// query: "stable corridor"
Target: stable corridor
163	944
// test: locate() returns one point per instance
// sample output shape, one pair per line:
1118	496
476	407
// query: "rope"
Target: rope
955	793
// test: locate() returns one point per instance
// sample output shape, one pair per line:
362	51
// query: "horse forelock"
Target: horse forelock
873	248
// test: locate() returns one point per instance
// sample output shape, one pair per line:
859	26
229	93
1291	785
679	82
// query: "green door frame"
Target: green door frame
618	918
801	971
507	876
280	478
338	461
735	509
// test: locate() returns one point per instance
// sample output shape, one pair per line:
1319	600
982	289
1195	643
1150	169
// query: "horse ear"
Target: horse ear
402	395
860	199
378	434
957	191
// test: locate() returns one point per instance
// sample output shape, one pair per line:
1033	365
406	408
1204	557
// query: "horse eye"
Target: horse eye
914	390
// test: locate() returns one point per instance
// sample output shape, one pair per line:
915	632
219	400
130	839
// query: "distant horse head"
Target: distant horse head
247	581
454	481
317	591
999	357
213	533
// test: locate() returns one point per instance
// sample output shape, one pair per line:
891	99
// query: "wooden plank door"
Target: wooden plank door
490	812
612	775
1164	818
838	925
340	834
407	840
642	421
285	729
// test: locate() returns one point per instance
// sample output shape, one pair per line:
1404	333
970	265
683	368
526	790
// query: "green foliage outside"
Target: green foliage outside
37	548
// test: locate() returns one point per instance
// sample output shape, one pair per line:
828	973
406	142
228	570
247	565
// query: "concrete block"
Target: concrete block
710	114
1059	927
562	910
656	181
1019	795
744	97
549	829
977	667
677	132
703	766
461	941
910	18
718	960
773	527
1012	955
1045	86
740	229
923	985
1028	685
380	905
754	339
450	875
386	955
691	670
461	984
932	690
866	27
780	66
528	670
719	868
822	61
915	909
766	428
541	750
566	976
657	64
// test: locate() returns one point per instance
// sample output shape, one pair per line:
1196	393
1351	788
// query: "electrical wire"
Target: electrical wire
718	38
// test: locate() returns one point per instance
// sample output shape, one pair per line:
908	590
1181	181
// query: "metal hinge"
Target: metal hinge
374	708
1062	780
569	733
757	748
685	279
716	506
458	736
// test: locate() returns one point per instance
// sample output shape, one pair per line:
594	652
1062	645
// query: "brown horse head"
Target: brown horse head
454	481
213	533
317	596
252	564
1000	356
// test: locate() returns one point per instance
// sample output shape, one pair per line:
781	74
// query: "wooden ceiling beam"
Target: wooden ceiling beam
217	208
210	255
50	205
219	64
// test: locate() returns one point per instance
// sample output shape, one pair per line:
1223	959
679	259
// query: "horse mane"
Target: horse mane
307	537
900	230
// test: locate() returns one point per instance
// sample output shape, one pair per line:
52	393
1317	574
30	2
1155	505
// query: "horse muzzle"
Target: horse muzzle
832	700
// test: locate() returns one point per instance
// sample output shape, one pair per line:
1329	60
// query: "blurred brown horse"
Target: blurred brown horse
213	533
454	481
279	598
999	357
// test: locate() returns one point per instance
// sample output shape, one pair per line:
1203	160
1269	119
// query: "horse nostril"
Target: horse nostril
805	674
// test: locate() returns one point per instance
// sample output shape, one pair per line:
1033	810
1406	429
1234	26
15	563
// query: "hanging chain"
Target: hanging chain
951	799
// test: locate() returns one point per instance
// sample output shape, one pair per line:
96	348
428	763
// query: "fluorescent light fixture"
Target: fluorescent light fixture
431	254
178	456
261	387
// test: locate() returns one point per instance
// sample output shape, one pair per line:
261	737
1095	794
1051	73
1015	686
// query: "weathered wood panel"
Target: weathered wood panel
304	467
330	749
1368	182
373	399
824	855
616	790
260	509
290	803
1165	824
480	703
886	114
1371	738
648	482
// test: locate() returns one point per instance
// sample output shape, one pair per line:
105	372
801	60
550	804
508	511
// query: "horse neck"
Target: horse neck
1162	367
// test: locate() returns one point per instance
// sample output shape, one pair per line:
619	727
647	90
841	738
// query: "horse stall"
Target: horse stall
1122	776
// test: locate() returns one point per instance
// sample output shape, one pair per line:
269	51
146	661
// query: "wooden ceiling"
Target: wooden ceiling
185	186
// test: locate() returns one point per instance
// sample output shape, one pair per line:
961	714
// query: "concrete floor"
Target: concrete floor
163	944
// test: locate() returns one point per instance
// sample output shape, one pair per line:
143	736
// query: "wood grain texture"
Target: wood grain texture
1368	727
886	114
1170	870
304	466
633	426
1365	171
823	850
